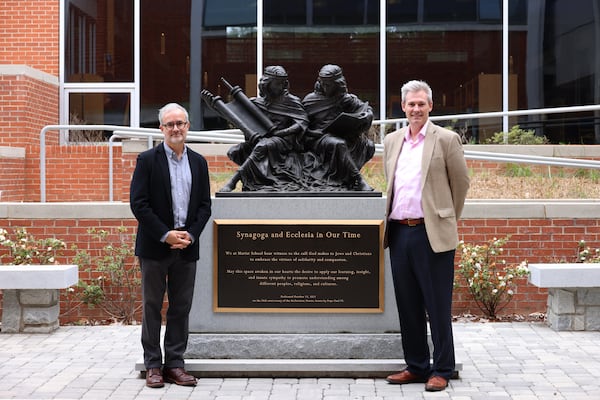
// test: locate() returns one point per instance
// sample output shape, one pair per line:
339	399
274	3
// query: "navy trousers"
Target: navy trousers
423	283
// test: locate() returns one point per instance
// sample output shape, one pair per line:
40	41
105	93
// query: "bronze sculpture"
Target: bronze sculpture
314	145
335	136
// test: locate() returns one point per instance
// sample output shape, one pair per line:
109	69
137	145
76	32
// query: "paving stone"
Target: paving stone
520	361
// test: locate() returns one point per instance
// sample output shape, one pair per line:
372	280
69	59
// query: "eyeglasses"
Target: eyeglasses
178	124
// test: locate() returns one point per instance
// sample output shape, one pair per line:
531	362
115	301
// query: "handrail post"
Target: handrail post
43	164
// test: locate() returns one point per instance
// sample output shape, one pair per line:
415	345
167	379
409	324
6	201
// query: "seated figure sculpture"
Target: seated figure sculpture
335	144
318	144
270	161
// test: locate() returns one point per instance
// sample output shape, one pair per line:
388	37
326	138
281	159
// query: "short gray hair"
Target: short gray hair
169	107
416	86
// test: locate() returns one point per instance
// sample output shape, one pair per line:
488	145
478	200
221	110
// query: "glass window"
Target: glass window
346	12
188	46
165	55
219	13
399	11
99	41
463	66
570	68
285	12
490	10
455	45
342	32
449	10
230	54
97	109
517	12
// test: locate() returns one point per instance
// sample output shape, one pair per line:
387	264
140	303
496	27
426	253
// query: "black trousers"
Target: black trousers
175	276
423	283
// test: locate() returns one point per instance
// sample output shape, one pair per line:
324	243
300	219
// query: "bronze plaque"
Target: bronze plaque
298	266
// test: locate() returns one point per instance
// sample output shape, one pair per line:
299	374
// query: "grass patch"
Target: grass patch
513	182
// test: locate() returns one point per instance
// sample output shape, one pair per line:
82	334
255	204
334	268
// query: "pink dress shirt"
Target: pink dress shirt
406	203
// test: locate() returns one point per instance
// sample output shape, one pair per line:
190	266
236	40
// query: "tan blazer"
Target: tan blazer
444	183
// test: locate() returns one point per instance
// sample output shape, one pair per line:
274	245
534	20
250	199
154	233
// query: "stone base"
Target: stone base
290	368
30	310
574	309
294	355
294	346
293	368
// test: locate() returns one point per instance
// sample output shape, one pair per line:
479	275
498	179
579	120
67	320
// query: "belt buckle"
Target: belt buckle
409	223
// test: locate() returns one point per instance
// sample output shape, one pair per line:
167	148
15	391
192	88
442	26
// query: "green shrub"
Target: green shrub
24	248
586	254
516	135
488	278
516	170
115	283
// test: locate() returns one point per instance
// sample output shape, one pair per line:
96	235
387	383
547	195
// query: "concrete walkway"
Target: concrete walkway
518	360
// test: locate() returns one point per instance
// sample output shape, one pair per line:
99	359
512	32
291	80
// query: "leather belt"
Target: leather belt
409	221
180	228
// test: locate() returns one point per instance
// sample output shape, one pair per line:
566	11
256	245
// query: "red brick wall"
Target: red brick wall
534	240
30	34
221	163
12	179
73	173
80	173
26	106
74	233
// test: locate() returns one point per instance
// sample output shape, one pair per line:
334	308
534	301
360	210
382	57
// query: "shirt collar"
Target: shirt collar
422	133
171	153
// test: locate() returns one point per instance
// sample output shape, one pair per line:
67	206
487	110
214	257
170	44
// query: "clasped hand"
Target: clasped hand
178	239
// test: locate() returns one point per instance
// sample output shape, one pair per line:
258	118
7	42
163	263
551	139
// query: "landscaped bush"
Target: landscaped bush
489	279
516	135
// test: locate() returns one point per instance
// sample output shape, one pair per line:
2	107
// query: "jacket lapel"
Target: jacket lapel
392	160
428	146
163	170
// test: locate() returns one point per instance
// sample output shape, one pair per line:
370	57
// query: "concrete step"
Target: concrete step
296	368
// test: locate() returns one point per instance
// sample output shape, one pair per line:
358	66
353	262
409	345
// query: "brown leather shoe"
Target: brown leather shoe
436	384
154	378
405	376
178	376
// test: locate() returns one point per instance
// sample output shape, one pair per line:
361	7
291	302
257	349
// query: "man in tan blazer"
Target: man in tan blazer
427	180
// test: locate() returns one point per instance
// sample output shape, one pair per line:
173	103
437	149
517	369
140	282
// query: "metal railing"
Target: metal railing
497	114
233	136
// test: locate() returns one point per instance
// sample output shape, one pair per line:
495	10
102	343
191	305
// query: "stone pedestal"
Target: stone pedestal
203	320
292	343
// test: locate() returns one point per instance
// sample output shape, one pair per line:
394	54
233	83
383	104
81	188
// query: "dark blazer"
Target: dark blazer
152	205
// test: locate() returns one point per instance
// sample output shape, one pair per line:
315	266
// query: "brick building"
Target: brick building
115	62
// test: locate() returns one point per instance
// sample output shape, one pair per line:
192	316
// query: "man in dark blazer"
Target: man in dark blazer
427	181
170	198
